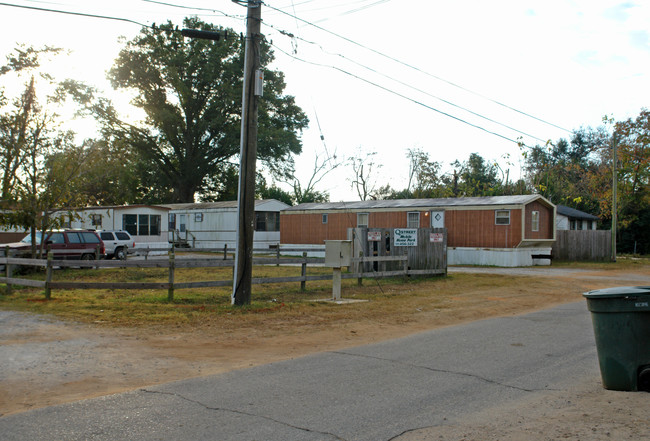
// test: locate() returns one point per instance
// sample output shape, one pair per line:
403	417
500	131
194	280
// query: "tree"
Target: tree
572	173
363	181
273	192
476	177
323	165
424	175
633	170
40	161
190	90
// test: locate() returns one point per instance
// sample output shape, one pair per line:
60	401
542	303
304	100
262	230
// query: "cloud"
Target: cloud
588	58
640	39
619	12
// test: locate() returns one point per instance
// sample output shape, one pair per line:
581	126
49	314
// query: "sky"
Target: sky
386	76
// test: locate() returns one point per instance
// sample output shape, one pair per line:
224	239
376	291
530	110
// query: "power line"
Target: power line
352	11
105	17
194	8
386	89
416	68
411	86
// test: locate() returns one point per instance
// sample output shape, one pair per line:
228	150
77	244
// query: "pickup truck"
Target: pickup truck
117	243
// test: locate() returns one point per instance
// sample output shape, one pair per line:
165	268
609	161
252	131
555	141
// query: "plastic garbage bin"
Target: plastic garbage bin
621	319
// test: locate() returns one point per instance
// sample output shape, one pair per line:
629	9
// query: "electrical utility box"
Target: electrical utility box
338	253
259	82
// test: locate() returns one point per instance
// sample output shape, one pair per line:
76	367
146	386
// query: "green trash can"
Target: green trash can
621	319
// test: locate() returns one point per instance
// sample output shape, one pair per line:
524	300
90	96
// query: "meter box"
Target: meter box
338	253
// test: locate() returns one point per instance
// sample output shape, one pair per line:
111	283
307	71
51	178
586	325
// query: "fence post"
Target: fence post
336	283
303	271
8	271
406	266
277	255
172	264
359	266
97	253
48	276
225	251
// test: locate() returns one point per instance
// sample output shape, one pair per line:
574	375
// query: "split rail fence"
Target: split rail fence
173	263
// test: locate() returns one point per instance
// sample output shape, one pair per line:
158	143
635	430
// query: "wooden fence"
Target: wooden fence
173	263
583	245
430	253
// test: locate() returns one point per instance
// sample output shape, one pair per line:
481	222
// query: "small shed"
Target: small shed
499	230
571	219
214	224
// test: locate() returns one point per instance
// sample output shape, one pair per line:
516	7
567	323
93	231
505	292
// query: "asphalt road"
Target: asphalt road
375	392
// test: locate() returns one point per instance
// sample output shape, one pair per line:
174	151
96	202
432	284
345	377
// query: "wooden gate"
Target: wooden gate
428	253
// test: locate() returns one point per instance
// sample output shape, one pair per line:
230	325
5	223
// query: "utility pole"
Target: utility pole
241	291
614	198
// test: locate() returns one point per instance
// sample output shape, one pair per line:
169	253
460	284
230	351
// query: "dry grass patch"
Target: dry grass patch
423	302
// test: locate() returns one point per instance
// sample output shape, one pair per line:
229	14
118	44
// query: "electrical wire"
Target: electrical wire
409	85
299	59
105	17
416	68
352	11
386	89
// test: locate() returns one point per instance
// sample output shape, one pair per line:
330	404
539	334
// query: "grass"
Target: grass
391	301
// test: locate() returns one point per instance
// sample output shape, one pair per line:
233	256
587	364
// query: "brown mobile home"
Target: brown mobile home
498	230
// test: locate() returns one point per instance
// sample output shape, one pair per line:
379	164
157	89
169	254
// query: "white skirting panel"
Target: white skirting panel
506	257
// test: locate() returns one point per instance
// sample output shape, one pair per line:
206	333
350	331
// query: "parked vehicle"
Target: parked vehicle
64	244
118	243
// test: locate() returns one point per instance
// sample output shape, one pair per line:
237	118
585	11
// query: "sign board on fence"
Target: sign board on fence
405	237
374	236
437	237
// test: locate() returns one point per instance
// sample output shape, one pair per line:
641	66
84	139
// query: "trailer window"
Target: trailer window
534	219
413	220
267	221
362	220
502	217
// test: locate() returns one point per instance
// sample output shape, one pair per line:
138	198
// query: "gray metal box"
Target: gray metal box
338	253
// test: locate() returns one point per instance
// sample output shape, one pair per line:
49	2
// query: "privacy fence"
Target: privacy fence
189	258
583	245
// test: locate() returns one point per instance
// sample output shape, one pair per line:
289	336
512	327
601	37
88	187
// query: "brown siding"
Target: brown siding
477	228
546	221
310	229
466	228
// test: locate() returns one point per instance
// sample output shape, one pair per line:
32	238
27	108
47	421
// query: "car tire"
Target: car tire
120	254
88	257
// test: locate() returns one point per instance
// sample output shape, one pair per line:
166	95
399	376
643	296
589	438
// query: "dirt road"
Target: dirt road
44	361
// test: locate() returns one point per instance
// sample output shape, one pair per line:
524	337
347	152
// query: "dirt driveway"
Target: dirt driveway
44	361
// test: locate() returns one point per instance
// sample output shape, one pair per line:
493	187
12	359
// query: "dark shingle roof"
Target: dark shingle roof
209	205
418	203
575	214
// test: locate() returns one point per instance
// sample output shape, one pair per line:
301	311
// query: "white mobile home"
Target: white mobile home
214	224
146	223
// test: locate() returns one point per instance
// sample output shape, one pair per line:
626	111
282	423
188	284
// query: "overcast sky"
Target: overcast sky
390	75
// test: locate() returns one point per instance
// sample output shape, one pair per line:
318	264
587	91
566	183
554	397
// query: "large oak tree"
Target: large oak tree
191	93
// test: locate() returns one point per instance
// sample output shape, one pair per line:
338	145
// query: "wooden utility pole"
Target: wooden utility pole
614	191
241	291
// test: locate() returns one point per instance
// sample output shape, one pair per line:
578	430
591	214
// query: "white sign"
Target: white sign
437	237
374	236
405	237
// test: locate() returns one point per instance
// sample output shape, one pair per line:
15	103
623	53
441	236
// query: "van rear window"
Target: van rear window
89	237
